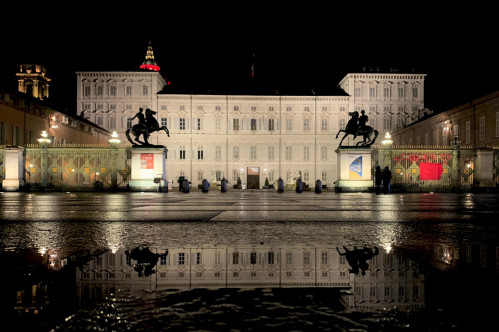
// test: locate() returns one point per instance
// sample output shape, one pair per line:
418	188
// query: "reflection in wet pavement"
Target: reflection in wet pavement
429	272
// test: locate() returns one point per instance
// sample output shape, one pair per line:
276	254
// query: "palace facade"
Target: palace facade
249	136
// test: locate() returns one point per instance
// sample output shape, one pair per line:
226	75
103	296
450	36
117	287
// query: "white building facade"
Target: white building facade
251	137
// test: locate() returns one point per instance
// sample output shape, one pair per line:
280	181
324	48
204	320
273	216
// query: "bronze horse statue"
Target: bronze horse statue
145	128
367	132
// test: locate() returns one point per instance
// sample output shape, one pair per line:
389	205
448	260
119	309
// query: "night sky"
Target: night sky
311	48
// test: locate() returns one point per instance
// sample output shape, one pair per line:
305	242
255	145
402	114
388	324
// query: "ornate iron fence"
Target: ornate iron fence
77	167
454	171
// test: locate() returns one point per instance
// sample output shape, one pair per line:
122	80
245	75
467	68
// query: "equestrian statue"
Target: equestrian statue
356	126
147	125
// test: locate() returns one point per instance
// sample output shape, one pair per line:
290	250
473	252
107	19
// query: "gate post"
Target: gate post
14	169
455	165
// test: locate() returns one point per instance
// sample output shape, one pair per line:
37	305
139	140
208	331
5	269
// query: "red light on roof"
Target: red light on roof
150	67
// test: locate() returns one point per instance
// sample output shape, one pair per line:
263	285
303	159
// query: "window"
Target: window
182	152
218	152
235	124
198	124
163	260
128	90
306	258
100	90
145	90
271	257
271	175
323	152
198	258
200	152
401	92
481	129
253	258
235	258
218	124
253	152
289	154
112	90
289	124
372	92
386	92
414	92
324	258
271	124
306	153
235	152
342	124
357	92
182	123
289	258
271	153
324	176
128	123
468	132
86	90
387	124
200	175
324	123
306	176
306	124
181	258
164	122
253	124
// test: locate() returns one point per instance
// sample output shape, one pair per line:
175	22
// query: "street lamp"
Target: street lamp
44	139
114	139
388	139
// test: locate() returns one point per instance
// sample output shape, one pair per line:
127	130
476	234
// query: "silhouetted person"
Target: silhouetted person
387	177
378	179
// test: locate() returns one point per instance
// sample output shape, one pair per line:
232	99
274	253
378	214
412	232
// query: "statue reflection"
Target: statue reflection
146	260
357	258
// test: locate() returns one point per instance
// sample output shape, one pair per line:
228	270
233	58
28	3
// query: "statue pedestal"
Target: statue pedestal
148	168
354	169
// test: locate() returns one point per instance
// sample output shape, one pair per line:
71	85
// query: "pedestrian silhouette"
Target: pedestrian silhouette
387	177
378	179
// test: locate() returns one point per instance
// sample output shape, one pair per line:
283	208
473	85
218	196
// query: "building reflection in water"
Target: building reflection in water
391	279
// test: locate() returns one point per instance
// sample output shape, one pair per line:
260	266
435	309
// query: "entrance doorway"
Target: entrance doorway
253	178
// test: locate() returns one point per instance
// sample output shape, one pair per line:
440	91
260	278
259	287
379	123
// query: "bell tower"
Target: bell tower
32	81
149	62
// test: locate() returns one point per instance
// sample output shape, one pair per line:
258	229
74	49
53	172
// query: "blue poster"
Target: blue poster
355	167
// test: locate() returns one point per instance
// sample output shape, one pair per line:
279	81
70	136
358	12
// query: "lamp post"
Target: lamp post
44	141
387	147
114	141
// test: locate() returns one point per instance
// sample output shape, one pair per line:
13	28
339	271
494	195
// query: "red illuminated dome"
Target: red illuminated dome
149	63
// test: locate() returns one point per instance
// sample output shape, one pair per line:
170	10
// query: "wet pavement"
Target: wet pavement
240	260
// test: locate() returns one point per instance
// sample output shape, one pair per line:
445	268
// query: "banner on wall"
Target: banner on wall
355	168
146	161
430	171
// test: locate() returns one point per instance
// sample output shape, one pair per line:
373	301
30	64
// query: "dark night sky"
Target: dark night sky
301	49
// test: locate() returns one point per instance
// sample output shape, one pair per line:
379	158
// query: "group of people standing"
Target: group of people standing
383	177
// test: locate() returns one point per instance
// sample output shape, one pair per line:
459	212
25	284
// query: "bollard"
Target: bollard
318	186
280	185
205	186
185	186
299	185
223	186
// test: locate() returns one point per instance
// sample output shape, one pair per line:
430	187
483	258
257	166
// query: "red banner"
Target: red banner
146	161
430	171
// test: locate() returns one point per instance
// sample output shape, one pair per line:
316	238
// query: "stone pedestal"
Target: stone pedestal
14	169
148	168
484	168
354	169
